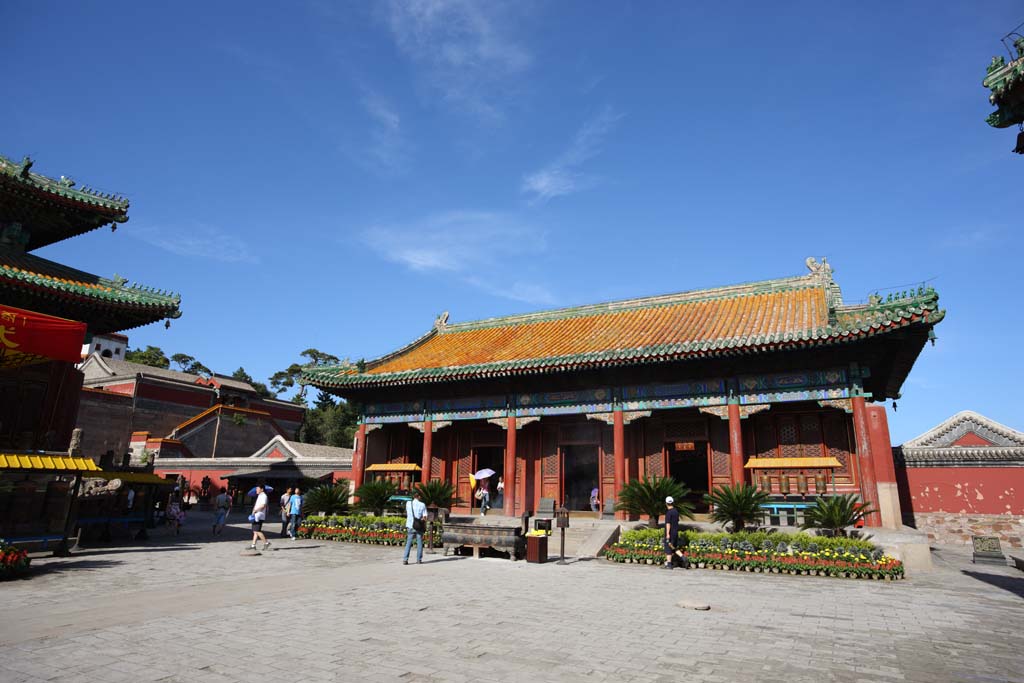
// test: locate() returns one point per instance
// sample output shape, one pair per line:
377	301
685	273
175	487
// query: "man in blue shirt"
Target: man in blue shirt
294	513
415	525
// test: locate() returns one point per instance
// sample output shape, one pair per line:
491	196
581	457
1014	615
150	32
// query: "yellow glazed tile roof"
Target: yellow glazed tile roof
758	317
19	461
394	467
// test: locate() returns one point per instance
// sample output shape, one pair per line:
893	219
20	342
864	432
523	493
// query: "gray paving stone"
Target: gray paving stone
191	609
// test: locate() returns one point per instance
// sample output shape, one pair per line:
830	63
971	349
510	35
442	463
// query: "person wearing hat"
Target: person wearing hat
671	530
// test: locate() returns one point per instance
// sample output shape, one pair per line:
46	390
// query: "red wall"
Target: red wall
972	439
128	388
979	490
199	398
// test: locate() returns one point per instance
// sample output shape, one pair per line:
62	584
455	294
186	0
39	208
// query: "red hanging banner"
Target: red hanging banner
28	337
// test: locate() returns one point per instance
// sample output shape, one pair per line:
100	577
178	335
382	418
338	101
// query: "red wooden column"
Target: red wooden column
428	445
735	445
510	468
357	458
619	444
868	483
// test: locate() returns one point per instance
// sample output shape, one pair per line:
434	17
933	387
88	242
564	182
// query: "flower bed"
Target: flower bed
762	553
13	561
362	529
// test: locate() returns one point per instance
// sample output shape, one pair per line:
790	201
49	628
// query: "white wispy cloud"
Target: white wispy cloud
463	49
462	244
970	238
564	175
387	148
200	241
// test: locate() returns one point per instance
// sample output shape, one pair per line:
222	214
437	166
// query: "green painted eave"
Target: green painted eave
65	188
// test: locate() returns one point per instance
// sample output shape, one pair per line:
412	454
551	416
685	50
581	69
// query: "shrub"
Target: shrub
647	497
737	504
13	561
778	552
377	530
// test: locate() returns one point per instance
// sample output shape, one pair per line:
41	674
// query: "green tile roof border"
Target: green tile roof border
116	291
851	322
64	187
1006	81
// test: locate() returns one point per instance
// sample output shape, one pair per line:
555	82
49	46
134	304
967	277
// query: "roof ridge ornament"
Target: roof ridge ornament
822	272
441	321
823	269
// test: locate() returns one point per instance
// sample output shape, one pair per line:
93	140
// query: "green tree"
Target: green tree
187	363
286	379
330	424
261	388
282	380
153	356
835	513
647	497
737	504
318	358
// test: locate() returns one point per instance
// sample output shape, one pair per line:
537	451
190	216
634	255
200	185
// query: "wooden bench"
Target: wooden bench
508	539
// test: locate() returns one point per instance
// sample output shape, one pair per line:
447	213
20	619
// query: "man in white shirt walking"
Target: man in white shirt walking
258	516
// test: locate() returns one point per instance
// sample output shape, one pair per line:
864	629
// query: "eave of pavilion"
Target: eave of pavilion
51	210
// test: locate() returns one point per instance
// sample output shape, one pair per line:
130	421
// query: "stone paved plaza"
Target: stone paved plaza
194	609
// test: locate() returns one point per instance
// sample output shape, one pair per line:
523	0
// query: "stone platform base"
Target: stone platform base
910	546
957	529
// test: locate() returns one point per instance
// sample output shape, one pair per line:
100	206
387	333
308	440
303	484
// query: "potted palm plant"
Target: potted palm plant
736	505
374	495
647	497
834	514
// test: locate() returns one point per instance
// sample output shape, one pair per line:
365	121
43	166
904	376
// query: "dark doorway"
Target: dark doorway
580	475
688	464
491	457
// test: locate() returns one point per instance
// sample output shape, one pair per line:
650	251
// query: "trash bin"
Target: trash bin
537	549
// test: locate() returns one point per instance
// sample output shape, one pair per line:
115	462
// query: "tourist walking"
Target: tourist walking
595	500
258	516
671	530
221	505
285	518
484	493
415	525
295	513
499	498
175	515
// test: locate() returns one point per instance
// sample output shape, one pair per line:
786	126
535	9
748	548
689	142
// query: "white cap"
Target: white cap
669	500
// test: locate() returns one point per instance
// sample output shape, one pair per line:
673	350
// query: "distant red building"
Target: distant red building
964	478
156	415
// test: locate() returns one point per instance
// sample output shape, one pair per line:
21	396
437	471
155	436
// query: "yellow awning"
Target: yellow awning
791	463
46	463
136	478
394	467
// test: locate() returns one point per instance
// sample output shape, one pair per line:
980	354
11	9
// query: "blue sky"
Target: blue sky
335	175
